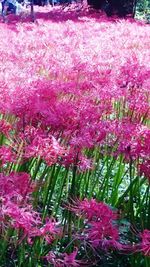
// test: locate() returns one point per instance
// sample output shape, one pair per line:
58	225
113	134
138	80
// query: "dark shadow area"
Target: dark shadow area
122	8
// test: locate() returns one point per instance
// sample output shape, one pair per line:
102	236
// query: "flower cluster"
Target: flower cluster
100	227
17	212
47	149
75	94
86	89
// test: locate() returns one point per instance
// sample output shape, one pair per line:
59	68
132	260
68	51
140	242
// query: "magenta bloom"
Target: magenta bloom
70	259
50	230
145	245
5	127
6	155
103	233
46	148
94	211
64	259
15	185
17	212
144	168
101	229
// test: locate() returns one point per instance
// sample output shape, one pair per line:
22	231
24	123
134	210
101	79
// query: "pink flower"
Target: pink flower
6	155
20	217
47	148
145	245
50	230
15	185
5	127
70	259
84	164
93	210
101	229
103	233
17	212
144	168
64	259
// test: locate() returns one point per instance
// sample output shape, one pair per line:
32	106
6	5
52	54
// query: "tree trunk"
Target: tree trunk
32	11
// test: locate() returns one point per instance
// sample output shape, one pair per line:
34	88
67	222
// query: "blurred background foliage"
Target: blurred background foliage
143	10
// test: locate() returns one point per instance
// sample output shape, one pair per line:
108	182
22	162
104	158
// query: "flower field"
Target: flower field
74	141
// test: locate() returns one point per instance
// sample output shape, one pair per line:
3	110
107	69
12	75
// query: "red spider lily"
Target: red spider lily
102	233
100	223
64	259
15	185
50	230
5	127
46	148
145	245
6	155
144	168
17	212
93	210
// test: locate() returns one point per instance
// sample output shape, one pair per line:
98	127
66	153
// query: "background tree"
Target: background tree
119	7
143	5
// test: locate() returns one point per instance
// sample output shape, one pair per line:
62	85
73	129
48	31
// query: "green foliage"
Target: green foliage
143	5
143	10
